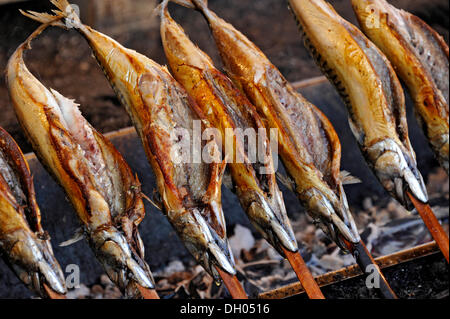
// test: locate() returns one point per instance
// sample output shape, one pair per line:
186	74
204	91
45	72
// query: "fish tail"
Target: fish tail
66	13
193	4
161	8
44	18
61	4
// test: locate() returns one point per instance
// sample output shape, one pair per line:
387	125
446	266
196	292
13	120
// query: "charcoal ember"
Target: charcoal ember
242	240
367	204
199	285
112	292
82	292
181	293
97	291
179	277
331	262
173	267
319	249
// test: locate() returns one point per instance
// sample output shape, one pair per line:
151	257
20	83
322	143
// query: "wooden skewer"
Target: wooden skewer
51	294
433	225
364	260
233	285
303	274
354	271
147	293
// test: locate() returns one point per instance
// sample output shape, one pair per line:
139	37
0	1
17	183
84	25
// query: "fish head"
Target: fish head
33	261
269	217
123	265
332	214
205	238
397	172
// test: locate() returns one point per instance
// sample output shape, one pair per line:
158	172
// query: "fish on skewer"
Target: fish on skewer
189	191
367	83
421	58
24	244
100	184
253	178
308	144
372	92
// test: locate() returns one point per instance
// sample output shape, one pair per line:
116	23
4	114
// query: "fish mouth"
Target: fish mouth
213	249
272	224
396	174
33	261
122	264
333	216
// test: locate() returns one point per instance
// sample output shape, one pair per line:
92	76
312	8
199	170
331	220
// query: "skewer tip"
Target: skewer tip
433	225
147	293
233	285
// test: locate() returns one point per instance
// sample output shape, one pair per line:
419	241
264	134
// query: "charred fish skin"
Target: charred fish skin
157	104
308	144
228	109
421	58
190	192
24	244
103	190
371	91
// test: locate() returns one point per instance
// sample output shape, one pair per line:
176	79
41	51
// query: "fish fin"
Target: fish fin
153	201
185	3
348	179
286	181
192	4
79	234
44	18
66	12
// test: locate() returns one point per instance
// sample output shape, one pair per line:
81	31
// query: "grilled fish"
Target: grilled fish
371	91
253	179
103	190
24	244
420	57
308	144
161	110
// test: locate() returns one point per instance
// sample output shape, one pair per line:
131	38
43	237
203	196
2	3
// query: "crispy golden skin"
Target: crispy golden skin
254	182
308	144
372	92
24	244
420	57
103	190
190	193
